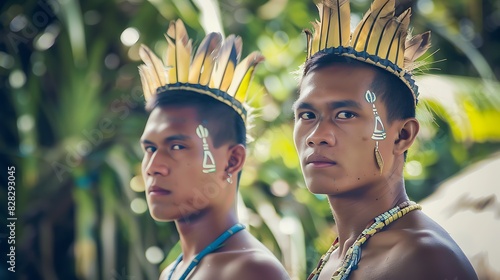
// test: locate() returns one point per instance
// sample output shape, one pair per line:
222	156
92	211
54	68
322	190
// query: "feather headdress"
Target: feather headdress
215	69
381	38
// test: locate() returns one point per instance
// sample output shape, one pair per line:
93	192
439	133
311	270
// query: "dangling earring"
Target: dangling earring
378	157
229	178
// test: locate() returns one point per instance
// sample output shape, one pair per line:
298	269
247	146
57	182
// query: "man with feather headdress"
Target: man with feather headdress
194	146
354	122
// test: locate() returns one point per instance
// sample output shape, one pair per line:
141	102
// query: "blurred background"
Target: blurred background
71	114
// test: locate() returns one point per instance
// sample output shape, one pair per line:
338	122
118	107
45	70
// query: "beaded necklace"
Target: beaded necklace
209	249
353	254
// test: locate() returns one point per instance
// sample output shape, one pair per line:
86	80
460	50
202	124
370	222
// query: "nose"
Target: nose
321	135
155	165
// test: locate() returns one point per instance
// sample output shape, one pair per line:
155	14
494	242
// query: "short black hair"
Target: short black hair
224	123
397	97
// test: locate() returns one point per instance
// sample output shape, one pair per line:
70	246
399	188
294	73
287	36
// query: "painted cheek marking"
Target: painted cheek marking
208	158
378	130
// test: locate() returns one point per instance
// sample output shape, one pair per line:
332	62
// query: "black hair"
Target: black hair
397	97
224	123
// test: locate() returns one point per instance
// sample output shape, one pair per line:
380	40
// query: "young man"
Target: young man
354	122
194	150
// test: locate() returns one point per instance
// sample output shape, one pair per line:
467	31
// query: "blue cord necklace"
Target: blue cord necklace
209	249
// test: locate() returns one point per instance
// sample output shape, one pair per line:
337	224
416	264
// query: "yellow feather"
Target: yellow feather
390	33
148	87
243	75
324	24
363	29
396	49
182	51
405	23
377	35
228	57
203	62
308	42
393	49
170	57
358	40
335	23
315	39
155	65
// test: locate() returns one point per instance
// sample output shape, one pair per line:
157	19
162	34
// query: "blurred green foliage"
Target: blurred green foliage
72	113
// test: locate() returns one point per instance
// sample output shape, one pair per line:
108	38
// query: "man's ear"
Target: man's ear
407	134
236	159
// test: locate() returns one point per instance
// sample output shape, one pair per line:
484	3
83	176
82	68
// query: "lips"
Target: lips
319	161
156	190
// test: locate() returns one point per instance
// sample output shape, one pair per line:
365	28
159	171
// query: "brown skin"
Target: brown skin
333	128
202	205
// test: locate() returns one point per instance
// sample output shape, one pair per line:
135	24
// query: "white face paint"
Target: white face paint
208	158
378	130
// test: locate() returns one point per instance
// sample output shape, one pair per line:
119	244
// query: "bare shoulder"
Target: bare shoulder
242	257
241	264
428	253
253	264
245	257
165	271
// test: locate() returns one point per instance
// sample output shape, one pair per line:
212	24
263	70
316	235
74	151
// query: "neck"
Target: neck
353	213
197	233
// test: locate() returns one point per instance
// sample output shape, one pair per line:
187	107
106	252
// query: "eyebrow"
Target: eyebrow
301	105
332	105
176	137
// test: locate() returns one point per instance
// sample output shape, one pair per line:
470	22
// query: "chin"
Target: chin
320	184
318	188
160	216
163	213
